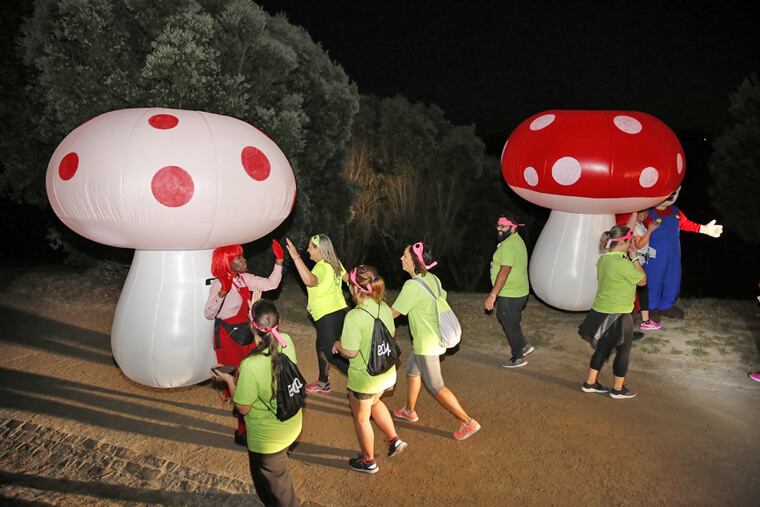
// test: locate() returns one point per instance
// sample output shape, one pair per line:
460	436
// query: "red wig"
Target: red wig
220	262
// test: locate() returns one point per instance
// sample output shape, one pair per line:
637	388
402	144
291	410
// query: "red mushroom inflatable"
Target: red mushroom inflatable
586	166
173	185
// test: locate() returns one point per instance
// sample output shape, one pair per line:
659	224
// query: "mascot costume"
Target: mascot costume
664	266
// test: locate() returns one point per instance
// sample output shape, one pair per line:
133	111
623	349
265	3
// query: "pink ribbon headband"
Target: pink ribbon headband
418	249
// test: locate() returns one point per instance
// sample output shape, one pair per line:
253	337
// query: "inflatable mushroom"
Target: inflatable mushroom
586	166
173	185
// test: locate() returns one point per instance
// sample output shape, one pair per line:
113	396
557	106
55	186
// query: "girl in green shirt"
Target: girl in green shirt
608	325
424	364
254	396
364	390
327	304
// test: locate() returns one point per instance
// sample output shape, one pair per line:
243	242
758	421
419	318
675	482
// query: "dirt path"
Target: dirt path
76	431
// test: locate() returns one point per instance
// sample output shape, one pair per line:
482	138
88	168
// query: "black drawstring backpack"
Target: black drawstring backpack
384	351
291	389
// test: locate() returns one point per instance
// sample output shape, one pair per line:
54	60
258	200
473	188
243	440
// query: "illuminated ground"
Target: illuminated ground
76	431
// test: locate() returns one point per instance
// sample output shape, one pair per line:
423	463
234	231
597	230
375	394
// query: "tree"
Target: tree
229	57
421	178
735	164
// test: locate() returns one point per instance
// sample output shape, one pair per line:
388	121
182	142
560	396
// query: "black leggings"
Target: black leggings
643	293
329	329
624	326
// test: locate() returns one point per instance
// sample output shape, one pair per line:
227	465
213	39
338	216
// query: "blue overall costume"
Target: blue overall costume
664	270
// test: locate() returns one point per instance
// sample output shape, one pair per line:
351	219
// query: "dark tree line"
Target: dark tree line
374	173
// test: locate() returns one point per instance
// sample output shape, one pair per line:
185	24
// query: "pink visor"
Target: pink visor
507	222
418	249
352	277
622	238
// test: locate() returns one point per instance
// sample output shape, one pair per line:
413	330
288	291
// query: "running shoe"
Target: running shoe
467	430
754	375
402	413
596	387
622	394
515	363
364	466
649	325
395	447
318	387
527	349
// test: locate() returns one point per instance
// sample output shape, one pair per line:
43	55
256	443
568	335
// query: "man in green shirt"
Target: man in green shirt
509	295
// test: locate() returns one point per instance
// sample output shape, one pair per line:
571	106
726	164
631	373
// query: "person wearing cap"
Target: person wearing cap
229	300
424	364
608	325
326	304
364	390
268	438
509	294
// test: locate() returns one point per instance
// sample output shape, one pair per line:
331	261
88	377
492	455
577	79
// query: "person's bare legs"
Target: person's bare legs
618	383
644	315
413	386
362	410
592	375
450	402
382	418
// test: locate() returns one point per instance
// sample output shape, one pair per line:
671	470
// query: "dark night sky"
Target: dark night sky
496	65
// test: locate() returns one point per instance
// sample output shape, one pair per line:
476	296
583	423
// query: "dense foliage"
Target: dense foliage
86	57
735	164
421	178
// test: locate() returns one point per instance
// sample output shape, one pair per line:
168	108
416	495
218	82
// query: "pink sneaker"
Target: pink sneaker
754	375
318	387
403	414
650	325
467	430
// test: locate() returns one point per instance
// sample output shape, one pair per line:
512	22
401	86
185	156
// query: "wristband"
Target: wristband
634	260
492	294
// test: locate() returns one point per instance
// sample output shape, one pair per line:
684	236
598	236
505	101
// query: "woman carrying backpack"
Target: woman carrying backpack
365	390
254	397
424	364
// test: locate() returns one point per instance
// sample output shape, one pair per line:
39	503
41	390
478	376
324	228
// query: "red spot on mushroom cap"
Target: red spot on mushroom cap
68	166
255	163
172	186
163	121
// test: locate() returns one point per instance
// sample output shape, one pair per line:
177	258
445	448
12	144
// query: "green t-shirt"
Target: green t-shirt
512	252
357	335
327	296
266	433
417	303
617	278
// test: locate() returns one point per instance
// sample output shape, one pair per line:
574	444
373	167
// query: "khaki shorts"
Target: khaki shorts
429	368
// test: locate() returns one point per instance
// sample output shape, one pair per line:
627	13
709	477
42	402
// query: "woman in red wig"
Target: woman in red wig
228	303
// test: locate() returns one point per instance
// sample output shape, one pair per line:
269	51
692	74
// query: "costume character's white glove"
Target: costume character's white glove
711	229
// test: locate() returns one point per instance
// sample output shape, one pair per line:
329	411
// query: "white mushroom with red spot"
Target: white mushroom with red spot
173	185
586	166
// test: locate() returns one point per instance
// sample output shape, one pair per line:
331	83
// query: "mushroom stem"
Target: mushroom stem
159	336
563	264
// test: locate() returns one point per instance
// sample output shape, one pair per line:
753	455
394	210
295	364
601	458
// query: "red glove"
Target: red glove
226	282
277	249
